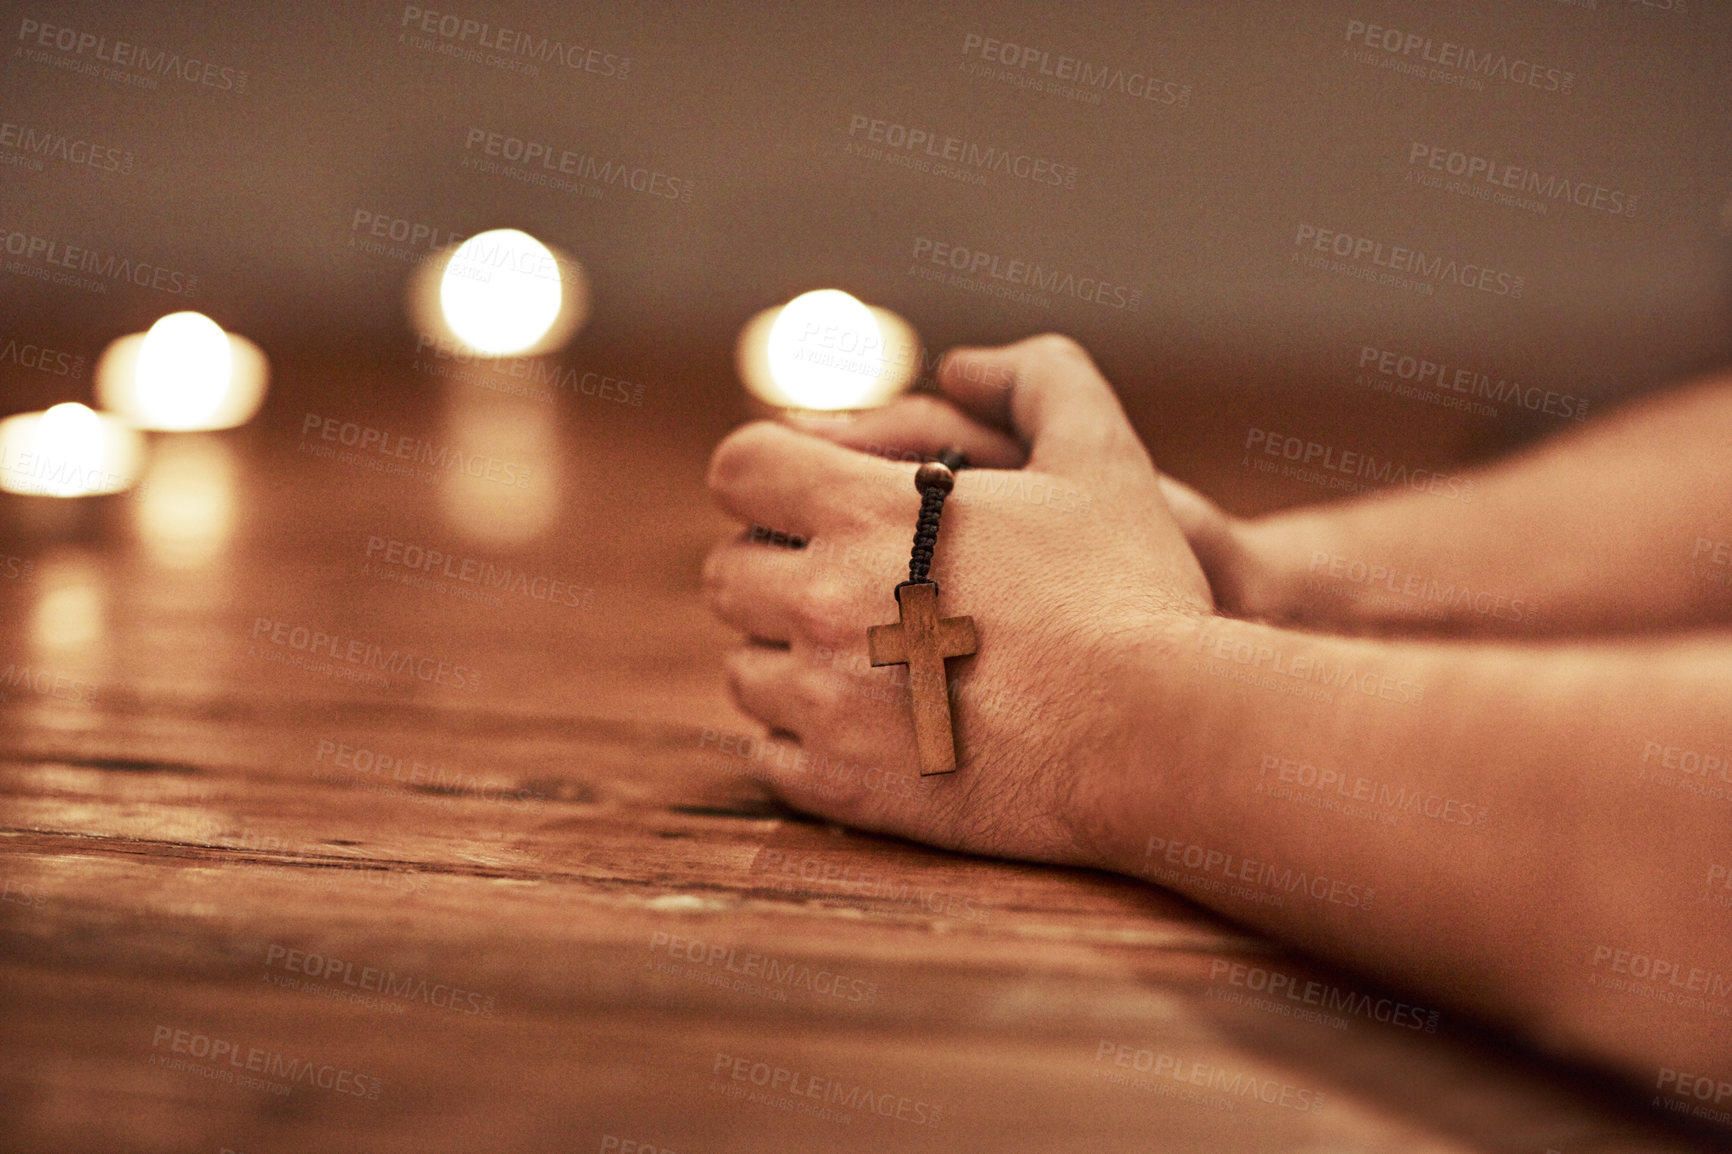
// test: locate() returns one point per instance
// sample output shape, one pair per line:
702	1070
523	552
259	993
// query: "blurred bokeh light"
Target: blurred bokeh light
184	375
501	293
186	503
826	350
71	607
69	451
508	492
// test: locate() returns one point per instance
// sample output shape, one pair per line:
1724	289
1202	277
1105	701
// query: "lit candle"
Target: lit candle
184	375
826	351
501	293
68	451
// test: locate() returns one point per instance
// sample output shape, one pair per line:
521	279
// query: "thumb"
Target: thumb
1222	547
1050	394
1206	527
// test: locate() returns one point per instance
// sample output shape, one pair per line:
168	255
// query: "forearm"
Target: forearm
1624	524
1471	821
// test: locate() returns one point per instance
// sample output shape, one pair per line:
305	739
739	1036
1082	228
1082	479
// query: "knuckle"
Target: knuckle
718	588
854	514
819	695
734	666
826	612
721	472
731	678
825	693
1056	345
734	457
736	672
713	572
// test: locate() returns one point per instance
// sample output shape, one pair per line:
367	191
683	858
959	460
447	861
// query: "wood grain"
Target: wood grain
549	912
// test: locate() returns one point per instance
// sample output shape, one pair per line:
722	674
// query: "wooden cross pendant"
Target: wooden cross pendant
922	641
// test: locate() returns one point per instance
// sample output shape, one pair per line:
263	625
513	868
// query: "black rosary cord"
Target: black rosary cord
926	533
934	483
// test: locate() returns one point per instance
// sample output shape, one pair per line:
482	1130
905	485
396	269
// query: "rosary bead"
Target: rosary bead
934	474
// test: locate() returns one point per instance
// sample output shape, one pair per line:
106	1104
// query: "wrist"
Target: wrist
1179	724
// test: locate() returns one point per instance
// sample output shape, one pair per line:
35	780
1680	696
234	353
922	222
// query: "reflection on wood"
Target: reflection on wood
510	894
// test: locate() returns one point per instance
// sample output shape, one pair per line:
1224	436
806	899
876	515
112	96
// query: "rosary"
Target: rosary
923	639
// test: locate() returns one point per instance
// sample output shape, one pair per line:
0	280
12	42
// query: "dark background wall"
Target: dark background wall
1266	117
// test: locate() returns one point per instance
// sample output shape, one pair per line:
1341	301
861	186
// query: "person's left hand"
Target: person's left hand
1072	567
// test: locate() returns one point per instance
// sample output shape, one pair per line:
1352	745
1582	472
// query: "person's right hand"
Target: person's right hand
922	425
1080	583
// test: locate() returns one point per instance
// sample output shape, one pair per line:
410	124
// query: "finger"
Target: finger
767	684
754	587
1204	525
1213	537
1056	402
922	426
768	474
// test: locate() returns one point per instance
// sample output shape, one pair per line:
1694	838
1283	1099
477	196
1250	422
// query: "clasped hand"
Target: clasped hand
1073	567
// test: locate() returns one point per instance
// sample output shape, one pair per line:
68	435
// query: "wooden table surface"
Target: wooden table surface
256	903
